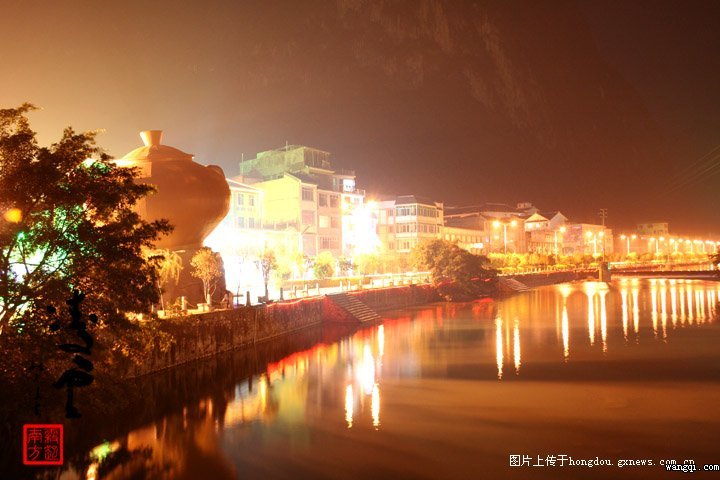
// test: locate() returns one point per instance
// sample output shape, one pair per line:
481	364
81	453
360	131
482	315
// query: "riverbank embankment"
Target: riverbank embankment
206	334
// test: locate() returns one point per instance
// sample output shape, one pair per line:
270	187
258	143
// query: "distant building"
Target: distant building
653	228
470	239
501	227
544	232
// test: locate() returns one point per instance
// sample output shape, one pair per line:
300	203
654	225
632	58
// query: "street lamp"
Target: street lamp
593	237
497	223
562	230
657	246
627	239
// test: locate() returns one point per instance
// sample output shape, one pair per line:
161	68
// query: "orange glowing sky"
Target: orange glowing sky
571	105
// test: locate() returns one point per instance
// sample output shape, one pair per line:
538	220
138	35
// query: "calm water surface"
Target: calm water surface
625	371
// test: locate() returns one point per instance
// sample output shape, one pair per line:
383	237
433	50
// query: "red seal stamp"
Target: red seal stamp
43	444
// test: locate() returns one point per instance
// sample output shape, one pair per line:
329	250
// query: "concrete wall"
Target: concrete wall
207	334
396	297
552	278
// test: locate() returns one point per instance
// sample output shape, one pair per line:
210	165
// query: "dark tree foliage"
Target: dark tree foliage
68	224
457	273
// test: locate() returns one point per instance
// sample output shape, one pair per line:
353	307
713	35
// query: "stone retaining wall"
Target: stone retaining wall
207	334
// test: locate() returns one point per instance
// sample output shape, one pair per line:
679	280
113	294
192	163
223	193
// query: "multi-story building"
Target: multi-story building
303	191
501	227
467	238
544	232
407	220
242	238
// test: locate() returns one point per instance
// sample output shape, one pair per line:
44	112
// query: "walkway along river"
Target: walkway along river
629	370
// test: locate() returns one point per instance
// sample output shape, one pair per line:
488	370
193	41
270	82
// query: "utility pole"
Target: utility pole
603	216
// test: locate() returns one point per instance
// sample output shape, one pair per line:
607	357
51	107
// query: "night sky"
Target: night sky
571	105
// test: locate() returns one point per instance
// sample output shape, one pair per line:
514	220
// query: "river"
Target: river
588	371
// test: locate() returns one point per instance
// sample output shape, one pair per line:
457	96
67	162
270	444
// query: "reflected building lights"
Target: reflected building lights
349	405
636	310
516	346
603	318
590	292
699	306
366	372
682	306
663	309
375	406
624	300
565	332
673	305
499	347
653	301
381	340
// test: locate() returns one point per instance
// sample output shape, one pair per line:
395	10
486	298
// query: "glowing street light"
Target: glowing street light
657	245
593	237
497	223
627	238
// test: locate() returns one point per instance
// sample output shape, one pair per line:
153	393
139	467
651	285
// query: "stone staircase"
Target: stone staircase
512	285
354	307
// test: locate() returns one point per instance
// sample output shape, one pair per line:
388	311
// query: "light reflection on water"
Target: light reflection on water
333	394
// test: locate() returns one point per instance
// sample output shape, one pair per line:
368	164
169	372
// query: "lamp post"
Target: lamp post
562	230
497	223
627	239
593	238
657	246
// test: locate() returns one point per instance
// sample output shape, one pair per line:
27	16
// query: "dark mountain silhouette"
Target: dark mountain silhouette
464	101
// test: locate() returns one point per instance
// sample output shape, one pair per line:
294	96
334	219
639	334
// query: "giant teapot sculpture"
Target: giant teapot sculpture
193	197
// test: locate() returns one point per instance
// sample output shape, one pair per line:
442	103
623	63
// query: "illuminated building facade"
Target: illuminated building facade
407	220
545	232
501	226
241	238
470	239
303	191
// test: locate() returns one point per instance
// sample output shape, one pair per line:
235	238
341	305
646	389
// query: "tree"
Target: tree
456	272
345	265
207	266
69	224
268	263
324	266
168	265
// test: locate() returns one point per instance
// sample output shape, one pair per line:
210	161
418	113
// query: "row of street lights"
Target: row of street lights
675	243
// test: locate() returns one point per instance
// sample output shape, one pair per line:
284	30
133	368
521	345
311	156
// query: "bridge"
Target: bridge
686	274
